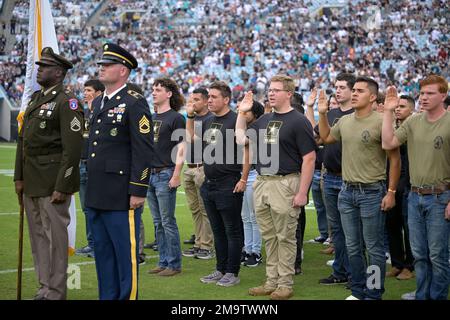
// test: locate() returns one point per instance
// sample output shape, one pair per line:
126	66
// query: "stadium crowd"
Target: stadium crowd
246	42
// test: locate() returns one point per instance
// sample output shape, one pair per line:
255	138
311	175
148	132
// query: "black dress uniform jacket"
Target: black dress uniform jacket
120	151
49	144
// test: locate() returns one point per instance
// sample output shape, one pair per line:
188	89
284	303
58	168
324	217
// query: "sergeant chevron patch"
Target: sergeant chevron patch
144	125
68	172
144	174
75	125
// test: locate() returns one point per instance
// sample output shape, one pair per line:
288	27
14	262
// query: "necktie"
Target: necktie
105	101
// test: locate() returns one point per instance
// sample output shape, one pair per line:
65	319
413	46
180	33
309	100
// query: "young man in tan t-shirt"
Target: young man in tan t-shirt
363	199
428	137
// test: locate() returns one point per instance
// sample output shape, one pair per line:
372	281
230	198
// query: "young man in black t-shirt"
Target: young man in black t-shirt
194	176
165	174
284	145
222	191
332	182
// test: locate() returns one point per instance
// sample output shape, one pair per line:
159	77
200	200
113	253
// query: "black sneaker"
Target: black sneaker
332	280
149	245
298	270
190	241
204	254
155	247
191	252
253	260
348	286
244	257
141	260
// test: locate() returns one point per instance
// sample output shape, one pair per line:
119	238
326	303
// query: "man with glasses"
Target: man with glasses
285	150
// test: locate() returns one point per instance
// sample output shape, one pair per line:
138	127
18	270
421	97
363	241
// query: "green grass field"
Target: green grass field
181	287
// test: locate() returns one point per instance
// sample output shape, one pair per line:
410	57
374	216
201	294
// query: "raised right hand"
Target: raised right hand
312	98
322	104
190	106
247	103
391	100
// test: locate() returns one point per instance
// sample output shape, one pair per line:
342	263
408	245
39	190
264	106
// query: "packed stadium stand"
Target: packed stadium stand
241	42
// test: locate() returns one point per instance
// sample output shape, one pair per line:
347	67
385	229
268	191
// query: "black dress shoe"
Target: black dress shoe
149	245
190	241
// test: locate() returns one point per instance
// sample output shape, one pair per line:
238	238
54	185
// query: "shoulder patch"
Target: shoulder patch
135	94
73	104
144	125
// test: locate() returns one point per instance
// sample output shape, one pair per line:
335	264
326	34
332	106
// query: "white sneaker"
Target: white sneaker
409	295
351	298
327	242
330	263
388	258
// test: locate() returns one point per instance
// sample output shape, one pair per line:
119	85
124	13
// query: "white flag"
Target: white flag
42	34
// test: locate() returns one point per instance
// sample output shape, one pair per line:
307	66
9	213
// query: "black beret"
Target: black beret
49	58
113	53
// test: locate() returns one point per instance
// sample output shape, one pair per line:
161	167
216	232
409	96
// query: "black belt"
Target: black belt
158	170
339	174
362	185
194	165
222	179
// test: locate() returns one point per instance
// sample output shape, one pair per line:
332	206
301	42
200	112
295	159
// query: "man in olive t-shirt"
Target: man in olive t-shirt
428	137
364	187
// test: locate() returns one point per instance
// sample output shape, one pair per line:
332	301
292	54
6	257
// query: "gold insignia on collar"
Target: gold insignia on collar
118	97
144	125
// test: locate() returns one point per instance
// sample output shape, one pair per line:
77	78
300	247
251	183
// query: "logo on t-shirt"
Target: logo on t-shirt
156	128
438	142
213	133
365	136
335	121
272	132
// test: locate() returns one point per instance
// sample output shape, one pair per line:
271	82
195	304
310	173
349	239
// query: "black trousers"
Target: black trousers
299	235
223	208
398	234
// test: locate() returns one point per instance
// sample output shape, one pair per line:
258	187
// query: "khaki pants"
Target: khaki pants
277	220
47	223
193	180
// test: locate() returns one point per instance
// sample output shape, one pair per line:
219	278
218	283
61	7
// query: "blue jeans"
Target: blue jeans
429	233
82	194
252	236
322	222
331	187
162	201
224	212
364	222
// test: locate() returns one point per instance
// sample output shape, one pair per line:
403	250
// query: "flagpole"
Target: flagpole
19	264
